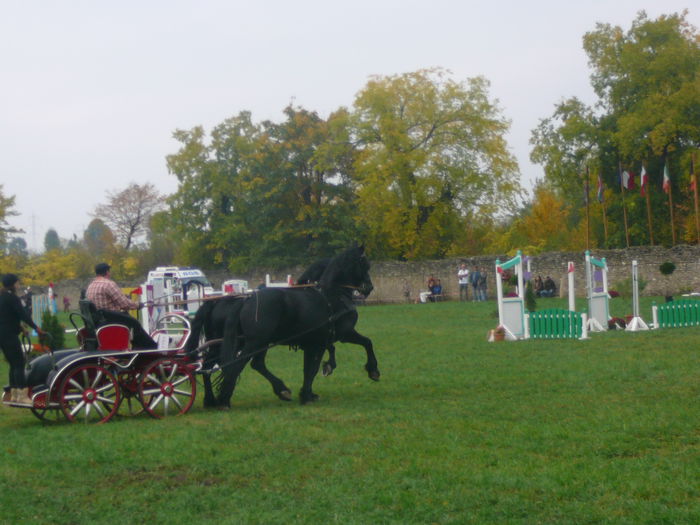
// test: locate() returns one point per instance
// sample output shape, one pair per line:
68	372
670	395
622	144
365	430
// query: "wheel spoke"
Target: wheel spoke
77	408
181	380
99	409
177	402
173	371
154	379
151	391
183	393
87	411
154	402
96	381
77	385
105	400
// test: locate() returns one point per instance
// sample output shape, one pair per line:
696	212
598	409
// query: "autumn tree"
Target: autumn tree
127	212
432	152
647	80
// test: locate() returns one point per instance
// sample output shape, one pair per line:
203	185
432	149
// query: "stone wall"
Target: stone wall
390	278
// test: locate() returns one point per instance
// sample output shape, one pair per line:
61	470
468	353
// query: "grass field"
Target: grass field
458	430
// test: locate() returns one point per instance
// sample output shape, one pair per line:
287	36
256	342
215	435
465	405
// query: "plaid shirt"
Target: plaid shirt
107	296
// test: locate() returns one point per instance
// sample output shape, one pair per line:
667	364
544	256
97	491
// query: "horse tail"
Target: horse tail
200	319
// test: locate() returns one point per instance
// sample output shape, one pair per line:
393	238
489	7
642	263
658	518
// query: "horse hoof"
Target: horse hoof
373	375
309	399
285	395
327	369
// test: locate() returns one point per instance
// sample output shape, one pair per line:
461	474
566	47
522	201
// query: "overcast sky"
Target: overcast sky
91	90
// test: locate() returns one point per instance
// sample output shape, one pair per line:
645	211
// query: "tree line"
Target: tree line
419	168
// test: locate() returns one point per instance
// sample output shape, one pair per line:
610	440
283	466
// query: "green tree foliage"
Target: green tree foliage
263	194
98	238
7	204
17	246
51	325
51	240
432	153
647	80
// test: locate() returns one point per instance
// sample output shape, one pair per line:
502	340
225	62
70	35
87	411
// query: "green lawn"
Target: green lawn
458	430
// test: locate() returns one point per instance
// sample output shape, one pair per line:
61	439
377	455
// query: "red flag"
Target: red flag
667	180
643	181
692	182
628	180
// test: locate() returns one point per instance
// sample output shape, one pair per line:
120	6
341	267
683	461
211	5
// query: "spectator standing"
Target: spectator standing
474	278
463	279
482	284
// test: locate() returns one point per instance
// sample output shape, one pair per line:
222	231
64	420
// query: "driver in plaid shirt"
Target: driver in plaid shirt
112	304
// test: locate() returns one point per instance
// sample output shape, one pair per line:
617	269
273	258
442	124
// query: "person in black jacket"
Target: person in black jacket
12	313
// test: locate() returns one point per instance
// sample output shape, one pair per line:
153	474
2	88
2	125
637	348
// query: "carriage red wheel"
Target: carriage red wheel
167	388
130	404
89	394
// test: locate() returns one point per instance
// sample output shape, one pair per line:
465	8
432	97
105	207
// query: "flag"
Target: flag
692	182
628	180
600	189
667	180
643	181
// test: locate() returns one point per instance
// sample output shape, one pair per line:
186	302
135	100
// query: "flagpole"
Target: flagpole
646	193
601	199
670	201
588	214
695	195
624	207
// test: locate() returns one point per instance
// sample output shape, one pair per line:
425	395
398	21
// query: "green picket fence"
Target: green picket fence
556	324
684	312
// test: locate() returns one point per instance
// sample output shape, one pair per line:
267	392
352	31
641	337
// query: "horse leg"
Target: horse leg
371	365
278	387
312	362
209	398
329	366
230	374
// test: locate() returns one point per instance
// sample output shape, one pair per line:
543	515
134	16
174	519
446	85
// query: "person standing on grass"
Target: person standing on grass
12	314
463	280
474	278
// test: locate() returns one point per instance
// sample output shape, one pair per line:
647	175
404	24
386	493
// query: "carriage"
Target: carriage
104	377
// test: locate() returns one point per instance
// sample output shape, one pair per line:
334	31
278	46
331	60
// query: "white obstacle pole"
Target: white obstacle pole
637	323
572	294
598	310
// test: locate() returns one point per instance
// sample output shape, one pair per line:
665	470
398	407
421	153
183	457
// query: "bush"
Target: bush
530	301
667	268
50	324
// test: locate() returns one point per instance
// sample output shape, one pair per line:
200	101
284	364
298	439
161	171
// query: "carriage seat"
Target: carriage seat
114	337
107	336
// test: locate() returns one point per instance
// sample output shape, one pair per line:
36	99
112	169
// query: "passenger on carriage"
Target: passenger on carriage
112	306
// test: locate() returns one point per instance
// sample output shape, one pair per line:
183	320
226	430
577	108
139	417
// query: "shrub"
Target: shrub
50	324
667	268
530	301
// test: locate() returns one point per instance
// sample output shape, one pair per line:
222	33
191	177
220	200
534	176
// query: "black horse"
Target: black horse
311	318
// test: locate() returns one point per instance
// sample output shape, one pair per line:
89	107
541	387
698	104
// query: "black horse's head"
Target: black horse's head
350	268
